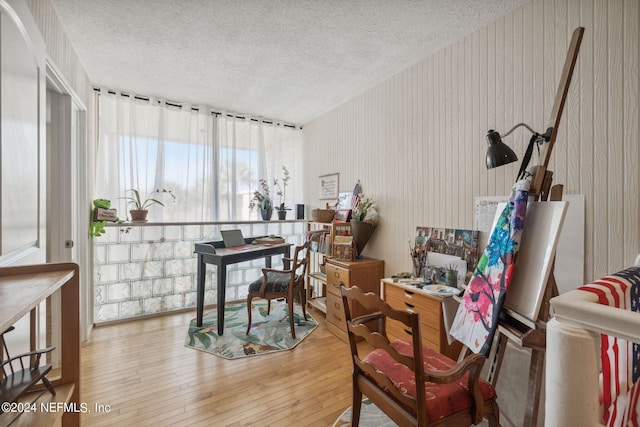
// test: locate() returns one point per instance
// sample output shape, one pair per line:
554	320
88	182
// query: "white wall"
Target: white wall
417	140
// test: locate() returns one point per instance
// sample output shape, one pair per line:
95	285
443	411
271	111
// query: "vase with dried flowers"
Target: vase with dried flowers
364	217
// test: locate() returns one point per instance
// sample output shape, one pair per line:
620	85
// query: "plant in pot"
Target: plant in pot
140	207
282	192
262	200
364	218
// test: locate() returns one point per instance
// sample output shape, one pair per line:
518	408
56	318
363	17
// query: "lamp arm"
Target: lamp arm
519	125
541	136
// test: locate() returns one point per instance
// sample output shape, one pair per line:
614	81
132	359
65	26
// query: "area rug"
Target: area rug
269	333
370	416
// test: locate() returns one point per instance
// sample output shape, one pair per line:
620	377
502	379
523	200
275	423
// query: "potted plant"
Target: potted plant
262	200
140	207
364	218
282	192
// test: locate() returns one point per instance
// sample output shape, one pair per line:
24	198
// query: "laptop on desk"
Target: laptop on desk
232	238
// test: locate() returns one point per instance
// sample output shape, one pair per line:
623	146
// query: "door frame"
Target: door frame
67	186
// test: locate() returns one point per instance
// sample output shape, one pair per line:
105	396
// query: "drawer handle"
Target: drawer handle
410	307
336	305
408	331
408	294
336	274
337	285
336	317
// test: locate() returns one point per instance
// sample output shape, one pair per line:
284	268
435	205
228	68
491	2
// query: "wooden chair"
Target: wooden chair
411	384
283	284
15	382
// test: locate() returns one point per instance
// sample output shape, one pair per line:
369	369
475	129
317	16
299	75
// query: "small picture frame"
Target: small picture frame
342	215
344	200
328	186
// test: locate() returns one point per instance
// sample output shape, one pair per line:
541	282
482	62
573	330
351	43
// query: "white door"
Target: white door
22	149
22	118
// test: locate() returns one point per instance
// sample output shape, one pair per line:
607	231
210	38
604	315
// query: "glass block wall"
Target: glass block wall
142	269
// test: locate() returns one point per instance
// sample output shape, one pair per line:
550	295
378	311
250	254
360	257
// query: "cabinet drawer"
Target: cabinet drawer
415	298
397	331
335	311
428	316
337	275
430	337
334	288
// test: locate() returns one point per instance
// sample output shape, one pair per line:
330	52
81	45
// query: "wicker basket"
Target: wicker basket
322	215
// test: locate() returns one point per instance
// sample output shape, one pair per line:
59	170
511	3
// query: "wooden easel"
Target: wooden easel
510	326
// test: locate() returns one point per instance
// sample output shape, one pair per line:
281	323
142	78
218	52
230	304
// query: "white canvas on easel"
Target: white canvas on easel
543	223
570	252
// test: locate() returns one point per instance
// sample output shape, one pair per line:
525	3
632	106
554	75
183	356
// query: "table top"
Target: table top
424	288
218	248
19	293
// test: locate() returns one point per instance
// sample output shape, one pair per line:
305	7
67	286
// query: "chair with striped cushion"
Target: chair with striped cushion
412	384
283	284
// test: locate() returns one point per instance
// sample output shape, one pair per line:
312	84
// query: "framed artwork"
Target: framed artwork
344	200
450	241
328	186
342	215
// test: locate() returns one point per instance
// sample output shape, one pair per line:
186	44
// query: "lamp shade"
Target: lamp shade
498	153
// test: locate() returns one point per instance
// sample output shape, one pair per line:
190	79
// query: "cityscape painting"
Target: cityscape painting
450	241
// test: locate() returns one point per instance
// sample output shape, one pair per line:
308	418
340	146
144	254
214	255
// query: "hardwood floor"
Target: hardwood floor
144	373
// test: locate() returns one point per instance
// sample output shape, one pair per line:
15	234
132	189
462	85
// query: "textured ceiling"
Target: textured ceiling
289	60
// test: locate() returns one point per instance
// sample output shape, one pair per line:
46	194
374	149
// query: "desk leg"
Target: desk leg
285	264
222	287
200	291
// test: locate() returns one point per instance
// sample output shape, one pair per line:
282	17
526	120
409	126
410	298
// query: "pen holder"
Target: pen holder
419	261
451	278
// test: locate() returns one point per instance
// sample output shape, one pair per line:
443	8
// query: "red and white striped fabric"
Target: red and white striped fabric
355	198
620	358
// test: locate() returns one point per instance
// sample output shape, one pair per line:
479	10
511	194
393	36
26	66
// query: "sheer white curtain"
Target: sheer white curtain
211	163
148	145
251	150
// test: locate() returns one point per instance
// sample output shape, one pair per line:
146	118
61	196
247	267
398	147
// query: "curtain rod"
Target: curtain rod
174	104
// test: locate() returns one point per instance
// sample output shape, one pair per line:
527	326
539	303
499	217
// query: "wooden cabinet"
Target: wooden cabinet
21	290
410	298
365	274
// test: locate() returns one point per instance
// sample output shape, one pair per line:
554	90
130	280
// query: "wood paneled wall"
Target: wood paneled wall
417	140
60	50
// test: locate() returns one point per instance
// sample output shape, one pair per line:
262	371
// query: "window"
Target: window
212	163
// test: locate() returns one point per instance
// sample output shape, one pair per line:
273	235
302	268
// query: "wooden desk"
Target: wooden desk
410	298
215	253
21	290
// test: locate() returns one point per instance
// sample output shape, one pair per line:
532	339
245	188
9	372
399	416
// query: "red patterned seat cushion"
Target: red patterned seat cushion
441	399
